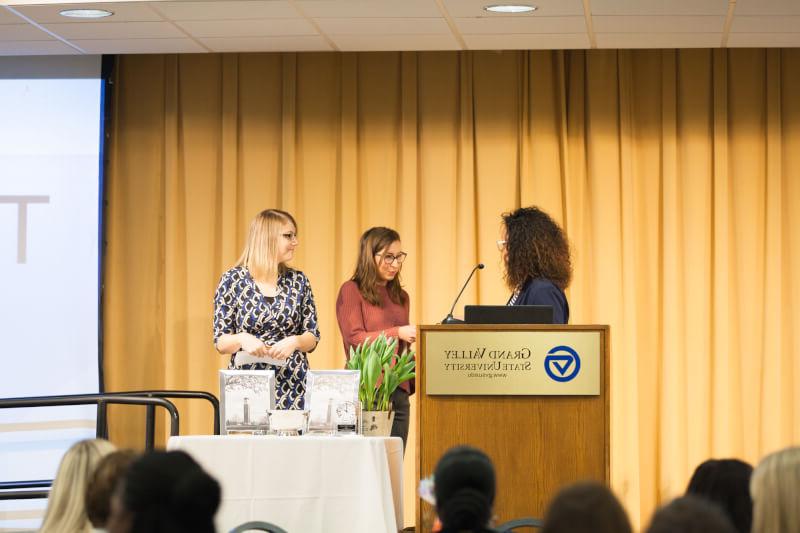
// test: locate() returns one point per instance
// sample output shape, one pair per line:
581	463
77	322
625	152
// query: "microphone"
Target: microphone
449	318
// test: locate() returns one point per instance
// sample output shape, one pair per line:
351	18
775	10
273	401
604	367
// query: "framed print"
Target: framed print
246	397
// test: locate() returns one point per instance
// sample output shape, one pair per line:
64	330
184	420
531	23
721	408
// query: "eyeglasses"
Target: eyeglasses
291	237
388	259
501	245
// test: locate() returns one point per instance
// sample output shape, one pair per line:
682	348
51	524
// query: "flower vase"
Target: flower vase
377	423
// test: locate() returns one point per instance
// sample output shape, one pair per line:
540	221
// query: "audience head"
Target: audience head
102	483
66	506
164	492
586	508
775	487
535	247
726	482
690	514
380	259
270	243
464	487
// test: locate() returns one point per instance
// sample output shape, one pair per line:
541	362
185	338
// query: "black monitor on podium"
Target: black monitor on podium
508	314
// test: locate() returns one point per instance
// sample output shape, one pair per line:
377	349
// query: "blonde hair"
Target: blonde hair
261	249
774	487
66	505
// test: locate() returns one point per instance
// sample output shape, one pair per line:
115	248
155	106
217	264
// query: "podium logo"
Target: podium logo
562	364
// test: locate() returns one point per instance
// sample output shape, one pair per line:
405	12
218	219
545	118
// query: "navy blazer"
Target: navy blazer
541	291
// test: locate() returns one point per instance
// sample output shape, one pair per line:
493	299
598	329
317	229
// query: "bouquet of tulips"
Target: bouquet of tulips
382	370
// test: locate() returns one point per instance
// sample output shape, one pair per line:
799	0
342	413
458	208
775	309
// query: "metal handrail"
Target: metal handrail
33	484
149	398
25	495
25	490
102	401
150	420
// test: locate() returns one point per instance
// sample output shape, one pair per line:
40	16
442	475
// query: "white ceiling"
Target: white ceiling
34	27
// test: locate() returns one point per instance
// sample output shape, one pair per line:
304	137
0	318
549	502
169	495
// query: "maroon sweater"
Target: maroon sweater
359	319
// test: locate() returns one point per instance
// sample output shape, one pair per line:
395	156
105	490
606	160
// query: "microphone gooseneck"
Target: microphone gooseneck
449	318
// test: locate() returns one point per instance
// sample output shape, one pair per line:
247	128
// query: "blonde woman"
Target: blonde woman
66	506
775	486
265	308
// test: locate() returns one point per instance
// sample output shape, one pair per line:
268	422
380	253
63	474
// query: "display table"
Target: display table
308	484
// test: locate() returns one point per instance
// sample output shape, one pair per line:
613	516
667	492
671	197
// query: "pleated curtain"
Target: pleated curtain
676	174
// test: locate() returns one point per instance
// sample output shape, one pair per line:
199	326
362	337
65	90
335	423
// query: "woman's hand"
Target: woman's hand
407	333
284	348
253	345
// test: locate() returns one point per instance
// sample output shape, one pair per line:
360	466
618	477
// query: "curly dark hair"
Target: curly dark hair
536	248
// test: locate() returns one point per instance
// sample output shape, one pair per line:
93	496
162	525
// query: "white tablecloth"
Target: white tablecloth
304	484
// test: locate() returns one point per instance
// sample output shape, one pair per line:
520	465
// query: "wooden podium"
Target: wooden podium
538	443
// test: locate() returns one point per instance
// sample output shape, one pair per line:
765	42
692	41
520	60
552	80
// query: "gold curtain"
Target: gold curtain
675	173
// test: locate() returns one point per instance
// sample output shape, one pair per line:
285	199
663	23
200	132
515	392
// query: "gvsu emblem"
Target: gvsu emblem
562	363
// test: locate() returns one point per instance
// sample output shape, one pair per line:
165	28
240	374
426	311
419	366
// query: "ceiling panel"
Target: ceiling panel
383	26
767	7
22	32
140	46
665	24
546	8
395	42
369	8
7	17
499	25
266	44
659	7
785	24
135	12
768	40
115	30
65	2
247	28
176	26
541	41
35	48
659	40
226	10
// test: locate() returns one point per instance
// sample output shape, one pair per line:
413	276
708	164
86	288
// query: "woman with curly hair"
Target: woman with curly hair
536	257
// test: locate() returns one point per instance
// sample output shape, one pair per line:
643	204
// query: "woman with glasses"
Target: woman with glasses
536	258
374	302
266	309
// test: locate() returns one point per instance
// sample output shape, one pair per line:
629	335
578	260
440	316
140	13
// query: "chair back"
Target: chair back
519	523
258	525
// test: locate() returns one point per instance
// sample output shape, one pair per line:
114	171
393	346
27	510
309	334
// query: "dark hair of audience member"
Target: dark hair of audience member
726	482
104	479
464	486
586	507
168	492
690	514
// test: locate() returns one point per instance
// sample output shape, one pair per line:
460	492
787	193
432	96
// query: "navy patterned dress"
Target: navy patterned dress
239	306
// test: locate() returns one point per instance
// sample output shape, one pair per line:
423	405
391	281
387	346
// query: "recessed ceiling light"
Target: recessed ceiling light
510	8
85	13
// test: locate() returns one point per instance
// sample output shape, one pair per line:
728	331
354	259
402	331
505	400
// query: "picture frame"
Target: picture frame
246	397
332	401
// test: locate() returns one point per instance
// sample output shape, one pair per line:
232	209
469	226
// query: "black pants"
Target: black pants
402	411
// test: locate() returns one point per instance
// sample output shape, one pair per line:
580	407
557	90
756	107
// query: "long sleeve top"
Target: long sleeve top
358	319
542	291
